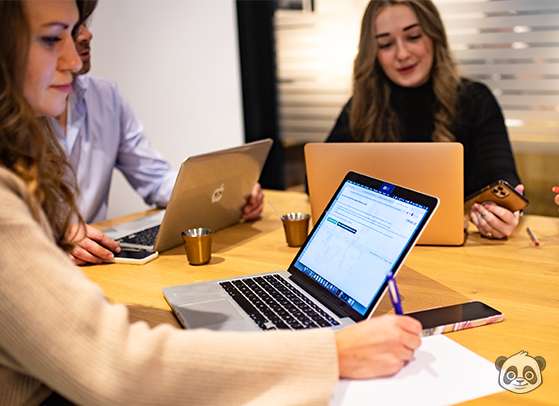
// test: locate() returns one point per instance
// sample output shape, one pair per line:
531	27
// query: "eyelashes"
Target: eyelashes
411	38
50	41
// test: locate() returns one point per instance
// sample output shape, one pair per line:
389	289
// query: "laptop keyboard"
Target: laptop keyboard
274	304
144	237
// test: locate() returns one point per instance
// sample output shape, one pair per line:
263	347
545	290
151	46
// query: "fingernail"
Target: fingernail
474	219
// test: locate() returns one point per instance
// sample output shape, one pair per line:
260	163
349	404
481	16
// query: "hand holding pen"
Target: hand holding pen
379	346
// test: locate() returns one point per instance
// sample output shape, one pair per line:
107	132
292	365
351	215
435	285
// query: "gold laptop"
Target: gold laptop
434	168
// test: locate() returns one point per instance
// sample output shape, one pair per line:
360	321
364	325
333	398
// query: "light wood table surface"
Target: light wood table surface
513	276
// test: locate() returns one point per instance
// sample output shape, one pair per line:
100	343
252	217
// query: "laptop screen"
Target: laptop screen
364	233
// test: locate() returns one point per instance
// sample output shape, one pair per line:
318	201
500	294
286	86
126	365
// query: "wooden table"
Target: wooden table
514	276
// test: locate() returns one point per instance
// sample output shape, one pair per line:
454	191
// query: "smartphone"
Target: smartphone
500	192
442	320
134	256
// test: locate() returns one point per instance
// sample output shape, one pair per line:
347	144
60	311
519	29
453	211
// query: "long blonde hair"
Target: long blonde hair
371	115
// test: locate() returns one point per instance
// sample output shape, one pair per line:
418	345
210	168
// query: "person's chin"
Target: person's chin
411	81
54	108
86	67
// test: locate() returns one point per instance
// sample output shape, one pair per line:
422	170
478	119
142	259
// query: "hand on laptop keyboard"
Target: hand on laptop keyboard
92	248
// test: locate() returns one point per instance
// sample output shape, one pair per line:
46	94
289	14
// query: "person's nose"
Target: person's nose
402	51
84	34
69	59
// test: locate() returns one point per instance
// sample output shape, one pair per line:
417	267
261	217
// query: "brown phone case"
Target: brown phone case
500	192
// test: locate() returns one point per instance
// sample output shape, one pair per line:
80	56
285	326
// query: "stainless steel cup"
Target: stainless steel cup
198	245
296	226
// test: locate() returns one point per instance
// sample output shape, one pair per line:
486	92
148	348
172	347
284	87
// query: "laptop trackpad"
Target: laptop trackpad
209	313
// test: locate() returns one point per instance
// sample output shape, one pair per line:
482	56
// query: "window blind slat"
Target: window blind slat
543	53
479	21
513	69
453	7
506	37
531	85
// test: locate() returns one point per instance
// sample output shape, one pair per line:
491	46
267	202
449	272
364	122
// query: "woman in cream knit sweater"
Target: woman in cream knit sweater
57	331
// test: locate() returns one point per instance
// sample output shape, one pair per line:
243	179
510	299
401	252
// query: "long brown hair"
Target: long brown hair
371	116
28	146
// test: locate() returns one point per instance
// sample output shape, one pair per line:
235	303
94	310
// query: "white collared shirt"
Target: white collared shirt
102	134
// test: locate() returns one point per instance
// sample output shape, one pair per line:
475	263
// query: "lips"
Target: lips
83	50
407	69
64	88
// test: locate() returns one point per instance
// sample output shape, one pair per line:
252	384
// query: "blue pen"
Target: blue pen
394	294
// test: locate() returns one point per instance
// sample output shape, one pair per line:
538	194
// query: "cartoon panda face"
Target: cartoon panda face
520	373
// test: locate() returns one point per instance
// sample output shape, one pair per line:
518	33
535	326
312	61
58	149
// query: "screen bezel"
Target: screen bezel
430	202
129	253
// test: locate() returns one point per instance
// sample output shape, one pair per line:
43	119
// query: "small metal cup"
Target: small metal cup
296	226
198	245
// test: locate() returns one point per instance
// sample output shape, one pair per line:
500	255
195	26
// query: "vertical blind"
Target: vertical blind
510	45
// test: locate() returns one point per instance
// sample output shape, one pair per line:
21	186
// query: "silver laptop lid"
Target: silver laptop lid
211	189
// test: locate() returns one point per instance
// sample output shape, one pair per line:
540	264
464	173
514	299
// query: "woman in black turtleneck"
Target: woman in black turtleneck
407	89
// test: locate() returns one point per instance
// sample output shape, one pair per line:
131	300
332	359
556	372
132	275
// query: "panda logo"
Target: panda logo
520	373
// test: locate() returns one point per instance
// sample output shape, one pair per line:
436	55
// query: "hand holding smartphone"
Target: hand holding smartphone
500	192
446	319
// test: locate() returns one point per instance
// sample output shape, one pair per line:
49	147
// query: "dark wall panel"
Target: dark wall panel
259	82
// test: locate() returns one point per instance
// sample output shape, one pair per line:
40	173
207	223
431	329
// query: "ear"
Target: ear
500	361
541	362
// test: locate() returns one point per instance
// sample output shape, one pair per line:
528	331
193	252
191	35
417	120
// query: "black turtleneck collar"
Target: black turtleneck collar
414	107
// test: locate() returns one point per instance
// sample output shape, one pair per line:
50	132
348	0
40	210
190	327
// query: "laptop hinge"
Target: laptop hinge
338	307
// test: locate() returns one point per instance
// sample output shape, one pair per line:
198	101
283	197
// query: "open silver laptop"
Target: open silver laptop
338	276
210	191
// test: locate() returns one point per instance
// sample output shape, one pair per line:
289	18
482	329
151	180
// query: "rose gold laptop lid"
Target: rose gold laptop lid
433	168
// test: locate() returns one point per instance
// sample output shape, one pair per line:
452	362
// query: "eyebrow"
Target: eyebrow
56	24
386	34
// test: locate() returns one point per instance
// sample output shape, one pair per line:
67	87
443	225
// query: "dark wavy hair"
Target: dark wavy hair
85	10
28	146
371	116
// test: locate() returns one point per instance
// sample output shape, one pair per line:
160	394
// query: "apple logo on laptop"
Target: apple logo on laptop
218	193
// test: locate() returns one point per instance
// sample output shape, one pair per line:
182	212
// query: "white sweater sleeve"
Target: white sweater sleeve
58	328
